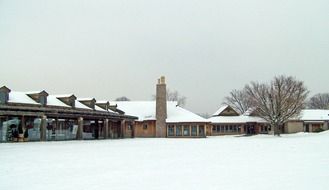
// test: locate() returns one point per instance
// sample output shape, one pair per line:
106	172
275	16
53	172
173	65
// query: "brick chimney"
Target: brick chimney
161	108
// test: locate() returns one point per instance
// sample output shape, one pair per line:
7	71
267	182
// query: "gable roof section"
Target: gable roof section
225	108
145	110
250	112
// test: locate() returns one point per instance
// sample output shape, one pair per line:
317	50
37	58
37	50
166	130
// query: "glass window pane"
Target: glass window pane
179	130
186	130
194	130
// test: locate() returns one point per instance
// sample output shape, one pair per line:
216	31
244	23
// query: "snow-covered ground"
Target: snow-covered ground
299	161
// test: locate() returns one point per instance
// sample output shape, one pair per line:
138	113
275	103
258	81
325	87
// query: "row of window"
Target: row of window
237	128
226	128
185	130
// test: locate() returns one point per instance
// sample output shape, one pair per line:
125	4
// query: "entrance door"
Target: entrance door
250	129
201	131
307	128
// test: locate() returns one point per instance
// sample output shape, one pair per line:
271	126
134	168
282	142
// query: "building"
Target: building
226	121
310	120
179	122
161	118
38	116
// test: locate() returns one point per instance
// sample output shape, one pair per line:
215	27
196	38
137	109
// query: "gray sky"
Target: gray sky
205	48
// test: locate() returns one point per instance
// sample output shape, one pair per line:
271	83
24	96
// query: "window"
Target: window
3	97
129	127
186	130
222	128
178	130
214	128
171	131
43	100
145	126
194	130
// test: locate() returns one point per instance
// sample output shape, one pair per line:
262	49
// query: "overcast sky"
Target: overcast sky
110	48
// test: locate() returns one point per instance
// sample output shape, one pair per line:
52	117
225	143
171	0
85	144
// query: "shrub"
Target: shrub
318	130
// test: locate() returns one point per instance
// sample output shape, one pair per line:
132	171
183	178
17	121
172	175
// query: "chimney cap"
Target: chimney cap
162	80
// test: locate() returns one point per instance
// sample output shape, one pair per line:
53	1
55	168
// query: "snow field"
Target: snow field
299	161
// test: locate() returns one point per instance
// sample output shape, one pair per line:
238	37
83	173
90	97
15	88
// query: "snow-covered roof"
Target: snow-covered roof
249	112
314	115
21	97
81	106
305	115
86	99
178	114
145	110
64	95
102	102
236	119
54	101
97	108
220	110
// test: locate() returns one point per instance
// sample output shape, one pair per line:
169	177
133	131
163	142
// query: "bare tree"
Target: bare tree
122	98
174	96
278	101
238	100
319	101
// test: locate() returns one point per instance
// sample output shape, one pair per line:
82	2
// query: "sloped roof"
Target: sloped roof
178	114
97	108
102	102
236	119
220	110
54	101
249	112
225	108
145	110
81	106
37	92
21	97
314	115
305	115
64	95
86	99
